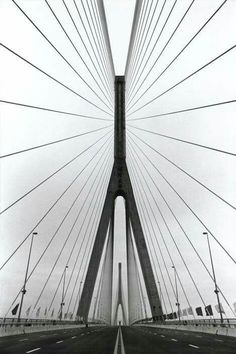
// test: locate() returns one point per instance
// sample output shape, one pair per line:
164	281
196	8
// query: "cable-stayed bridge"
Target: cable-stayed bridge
118	192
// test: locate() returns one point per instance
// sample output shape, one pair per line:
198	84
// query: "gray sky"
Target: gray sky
22	128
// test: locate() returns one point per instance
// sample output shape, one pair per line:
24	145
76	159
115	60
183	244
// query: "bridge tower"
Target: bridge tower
119	185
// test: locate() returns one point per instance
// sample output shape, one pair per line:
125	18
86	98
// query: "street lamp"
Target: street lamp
63	291
26	275
214	277
80	284
176	292
94	308
160	291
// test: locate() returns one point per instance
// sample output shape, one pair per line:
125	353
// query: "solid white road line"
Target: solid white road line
33	350
122	342
193	346
60	341
119	346
117	341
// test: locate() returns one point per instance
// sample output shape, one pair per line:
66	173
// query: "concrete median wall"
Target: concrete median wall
217	330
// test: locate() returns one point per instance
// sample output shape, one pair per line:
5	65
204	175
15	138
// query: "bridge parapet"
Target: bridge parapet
10	326
208	326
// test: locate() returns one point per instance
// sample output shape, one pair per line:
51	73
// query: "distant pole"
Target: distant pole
94	308
214	277
80	284
176	293
160	290
26	275
145	309
63	291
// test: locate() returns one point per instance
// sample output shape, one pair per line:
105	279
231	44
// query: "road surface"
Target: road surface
105	340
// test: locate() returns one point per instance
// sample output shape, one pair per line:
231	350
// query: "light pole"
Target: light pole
63	291
94	308
214	277
145	309
176	292
160	290
26	275
80	284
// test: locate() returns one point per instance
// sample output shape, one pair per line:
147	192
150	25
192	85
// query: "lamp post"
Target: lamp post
160	291
216	291
26	275
94	308
80	284
176	292
145	309
63	291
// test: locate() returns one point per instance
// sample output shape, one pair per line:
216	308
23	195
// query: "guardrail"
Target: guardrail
213	326
229	322
11	326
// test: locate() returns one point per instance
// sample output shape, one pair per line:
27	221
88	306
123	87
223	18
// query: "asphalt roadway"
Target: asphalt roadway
102	340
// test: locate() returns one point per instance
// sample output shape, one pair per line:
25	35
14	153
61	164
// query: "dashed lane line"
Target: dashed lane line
162	336
193	346
33	350
60	341
218	340
74	337
22	340
174	340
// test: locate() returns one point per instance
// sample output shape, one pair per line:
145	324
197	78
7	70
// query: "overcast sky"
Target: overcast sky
24	127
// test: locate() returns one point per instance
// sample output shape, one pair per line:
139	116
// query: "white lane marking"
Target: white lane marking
73	337
155	334
119	345
219	340
162	336
33	350
193	346
82	334
199	336
122	342
174	340
60	341
22	340
116	344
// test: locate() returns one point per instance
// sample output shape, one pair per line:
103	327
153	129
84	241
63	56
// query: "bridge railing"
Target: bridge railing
229	322
10	322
